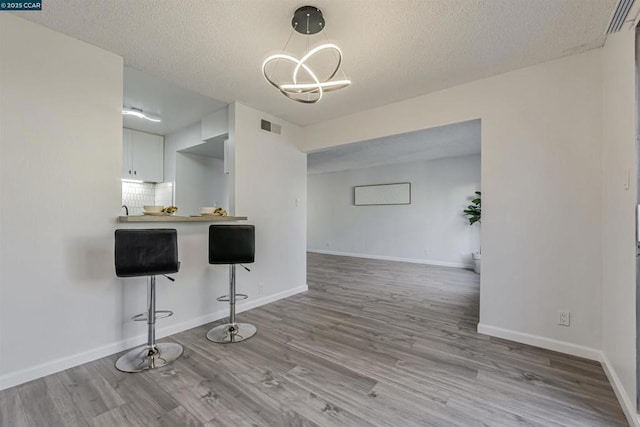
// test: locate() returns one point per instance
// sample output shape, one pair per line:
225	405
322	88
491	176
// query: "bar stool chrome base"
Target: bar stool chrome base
230	333
149	357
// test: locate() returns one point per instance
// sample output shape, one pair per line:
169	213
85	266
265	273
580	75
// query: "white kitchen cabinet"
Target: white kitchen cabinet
127	169
142	156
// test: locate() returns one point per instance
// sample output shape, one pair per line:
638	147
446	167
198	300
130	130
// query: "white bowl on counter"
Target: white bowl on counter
207	210
152	209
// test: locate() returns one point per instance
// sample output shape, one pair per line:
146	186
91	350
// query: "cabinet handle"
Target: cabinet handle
129	172
135	172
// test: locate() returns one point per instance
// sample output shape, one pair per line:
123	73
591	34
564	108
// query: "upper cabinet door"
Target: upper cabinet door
147	156
127	167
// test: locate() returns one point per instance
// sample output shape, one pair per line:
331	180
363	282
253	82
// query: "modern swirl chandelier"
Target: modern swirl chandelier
306	85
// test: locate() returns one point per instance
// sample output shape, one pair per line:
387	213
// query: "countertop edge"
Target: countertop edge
172	218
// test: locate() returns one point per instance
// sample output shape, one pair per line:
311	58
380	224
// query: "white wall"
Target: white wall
541	158
184	138
215	124
200	181
61	154
60	302
271	189
432	229
188	187
618	204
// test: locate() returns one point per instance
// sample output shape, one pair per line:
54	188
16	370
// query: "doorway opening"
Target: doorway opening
440	168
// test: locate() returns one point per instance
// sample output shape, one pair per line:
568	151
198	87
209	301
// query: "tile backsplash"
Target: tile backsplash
135	195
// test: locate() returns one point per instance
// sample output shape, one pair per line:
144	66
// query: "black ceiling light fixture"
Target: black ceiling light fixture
305	84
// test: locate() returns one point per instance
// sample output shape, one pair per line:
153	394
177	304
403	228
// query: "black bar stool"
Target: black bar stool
231	244
148	253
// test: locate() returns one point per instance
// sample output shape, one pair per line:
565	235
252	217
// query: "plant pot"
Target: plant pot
476	262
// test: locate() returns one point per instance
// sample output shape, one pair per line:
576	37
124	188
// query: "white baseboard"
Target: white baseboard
625	400
38	371
393	258
576	350
540	341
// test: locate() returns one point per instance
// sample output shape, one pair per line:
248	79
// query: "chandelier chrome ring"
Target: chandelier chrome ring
307	20
313	52
291	90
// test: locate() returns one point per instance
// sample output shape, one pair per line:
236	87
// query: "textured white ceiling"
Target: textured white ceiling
459	139
393	49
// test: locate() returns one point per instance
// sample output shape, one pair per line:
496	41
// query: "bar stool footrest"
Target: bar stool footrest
225	298
160	314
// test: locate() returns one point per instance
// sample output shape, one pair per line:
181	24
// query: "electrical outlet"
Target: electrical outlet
564	317
260	288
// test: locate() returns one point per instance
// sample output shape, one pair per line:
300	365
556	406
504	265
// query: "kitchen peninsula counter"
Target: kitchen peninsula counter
177	218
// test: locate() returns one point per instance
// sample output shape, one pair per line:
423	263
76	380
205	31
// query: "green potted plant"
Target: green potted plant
473	212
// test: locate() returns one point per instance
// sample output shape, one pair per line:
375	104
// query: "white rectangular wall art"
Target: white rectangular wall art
382	194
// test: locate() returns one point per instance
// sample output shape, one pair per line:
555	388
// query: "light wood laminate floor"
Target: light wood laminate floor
373	343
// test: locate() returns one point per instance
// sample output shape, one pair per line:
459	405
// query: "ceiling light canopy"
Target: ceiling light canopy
131	111
306	85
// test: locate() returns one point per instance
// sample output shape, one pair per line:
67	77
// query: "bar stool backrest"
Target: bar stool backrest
146	252
231	244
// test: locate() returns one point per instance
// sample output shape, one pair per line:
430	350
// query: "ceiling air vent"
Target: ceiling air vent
270	127
619	16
